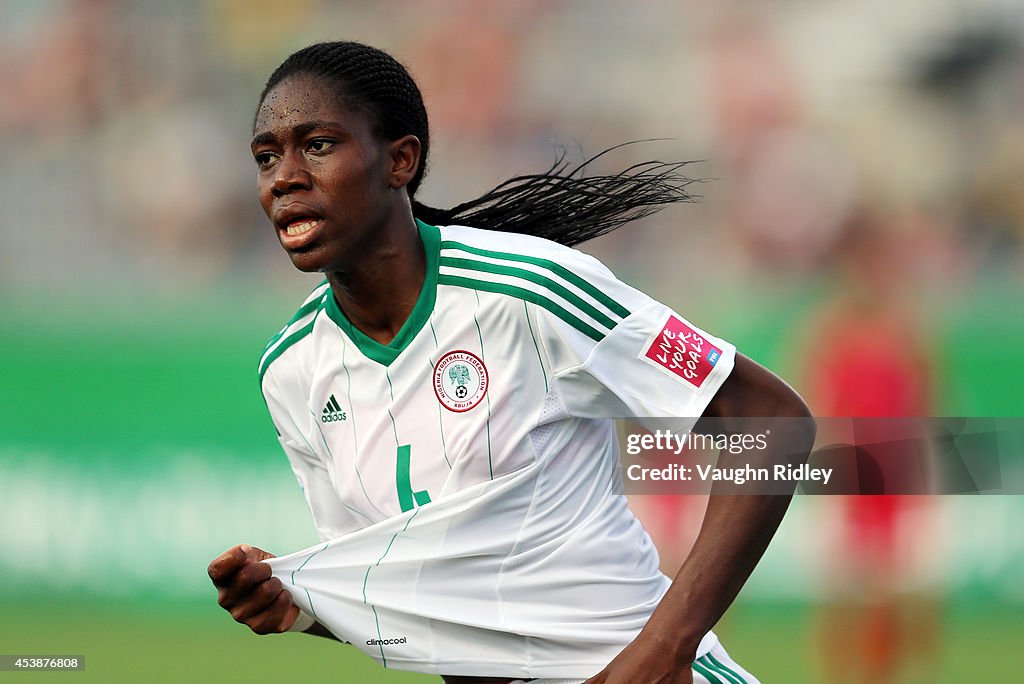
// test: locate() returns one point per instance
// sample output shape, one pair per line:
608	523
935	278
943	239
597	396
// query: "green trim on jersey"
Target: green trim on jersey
440	410
285	344
305	309
270	352
706	673
527	295
536	346
552	266
713	664
366	578
281	348
355	428
312	609
385	354
483	359
543	281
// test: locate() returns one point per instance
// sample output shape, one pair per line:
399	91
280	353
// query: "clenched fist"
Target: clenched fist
246	589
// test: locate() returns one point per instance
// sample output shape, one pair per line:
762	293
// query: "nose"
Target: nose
291	175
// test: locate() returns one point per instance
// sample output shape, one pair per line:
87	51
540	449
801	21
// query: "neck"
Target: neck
379	291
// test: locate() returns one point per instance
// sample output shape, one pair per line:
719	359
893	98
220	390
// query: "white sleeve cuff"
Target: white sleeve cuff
303	622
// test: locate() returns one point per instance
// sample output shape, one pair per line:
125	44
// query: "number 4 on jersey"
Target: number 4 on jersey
407	498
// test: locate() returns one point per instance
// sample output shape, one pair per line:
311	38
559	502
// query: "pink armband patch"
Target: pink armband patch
680	349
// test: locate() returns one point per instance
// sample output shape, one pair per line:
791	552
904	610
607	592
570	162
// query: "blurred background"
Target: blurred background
860	231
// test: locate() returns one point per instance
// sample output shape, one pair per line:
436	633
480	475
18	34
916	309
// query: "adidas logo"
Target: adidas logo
332	411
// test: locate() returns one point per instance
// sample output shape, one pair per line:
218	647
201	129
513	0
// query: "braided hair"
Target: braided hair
562	203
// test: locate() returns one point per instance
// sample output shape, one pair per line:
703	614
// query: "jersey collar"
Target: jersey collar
385	354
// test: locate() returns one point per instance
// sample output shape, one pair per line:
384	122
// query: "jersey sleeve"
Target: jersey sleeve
637	359
330	517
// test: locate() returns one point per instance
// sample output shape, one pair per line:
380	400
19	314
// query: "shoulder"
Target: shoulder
492	243
563	282
298	328
524	256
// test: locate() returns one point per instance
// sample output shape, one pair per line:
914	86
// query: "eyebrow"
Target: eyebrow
299	130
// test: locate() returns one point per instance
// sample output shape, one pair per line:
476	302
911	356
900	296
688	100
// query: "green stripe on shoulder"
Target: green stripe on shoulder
552	266
536	278
279	342
283	346
312	302
524	294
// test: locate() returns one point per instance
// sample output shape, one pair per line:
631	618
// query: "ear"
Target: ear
404	161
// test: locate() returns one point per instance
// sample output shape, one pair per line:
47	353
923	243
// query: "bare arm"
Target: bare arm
734	535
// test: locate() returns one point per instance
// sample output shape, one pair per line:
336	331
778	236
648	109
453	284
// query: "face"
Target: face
325	181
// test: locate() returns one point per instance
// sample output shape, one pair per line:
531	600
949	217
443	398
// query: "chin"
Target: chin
309	262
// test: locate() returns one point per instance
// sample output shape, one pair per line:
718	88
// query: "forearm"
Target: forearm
734	536
741	519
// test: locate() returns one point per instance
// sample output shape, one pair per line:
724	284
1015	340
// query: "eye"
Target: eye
265	159
319	145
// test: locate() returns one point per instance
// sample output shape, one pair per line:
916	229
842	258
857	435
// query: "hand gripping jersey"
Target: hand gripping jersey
465	478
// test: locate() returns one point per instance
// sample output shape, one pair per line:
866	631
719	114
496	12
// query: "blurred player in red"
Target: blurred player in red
871	360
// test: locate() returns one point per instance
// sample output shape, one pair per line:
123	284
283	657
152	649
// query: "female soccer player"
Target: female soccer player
444	399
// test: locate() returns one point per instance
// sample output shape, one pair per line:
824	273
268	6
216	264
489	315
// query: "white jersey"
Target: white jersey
465	477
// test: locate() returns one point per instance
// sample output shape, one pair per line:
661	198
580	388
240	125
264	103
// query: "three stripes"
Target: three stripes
549	285
715	671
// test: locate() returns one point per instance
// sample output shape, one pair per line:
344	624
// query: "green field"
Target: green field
136	641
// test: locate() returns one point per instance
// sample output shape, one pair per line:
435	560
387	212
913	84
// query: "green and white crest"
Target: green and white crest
460	380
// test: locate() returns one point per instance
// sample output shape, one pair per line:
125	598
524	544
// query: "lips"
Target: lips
300	234
297	225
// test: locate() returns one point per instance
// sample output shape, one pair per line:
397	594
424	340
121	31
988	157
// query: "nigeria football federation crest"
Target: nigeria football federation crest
460	380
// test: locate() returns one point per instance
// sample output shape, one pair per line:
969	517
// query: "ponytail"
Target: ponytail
565	205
